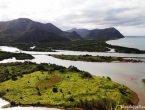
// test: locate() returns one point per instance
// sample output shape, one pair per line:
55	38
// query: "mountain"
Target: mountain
37	35
81	32
26	30
71	35
103	33
24	24
98	33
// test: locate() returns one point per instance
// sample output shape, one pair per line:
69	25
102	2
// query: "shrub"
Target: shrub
71	99
62	70
86	75
40	67
54	90
123	90
72	68
14	78
13	103
61	91
108	78
39	93
2	93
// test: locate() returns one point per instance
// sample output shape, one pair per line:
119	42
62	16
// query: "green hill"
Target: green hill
56	86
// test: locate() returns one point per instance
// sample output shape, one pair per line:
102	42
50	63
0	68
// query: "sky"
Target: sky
128	16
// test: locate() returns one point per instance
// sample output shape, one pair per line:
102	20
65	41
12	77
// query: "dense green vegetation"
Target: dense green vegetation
39	47
18	56
77	45
90	58
52	85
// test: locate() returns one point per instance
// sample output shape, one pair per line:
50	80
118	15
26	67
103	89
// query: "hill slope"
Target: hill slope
71	35
98	33
103	33
53	85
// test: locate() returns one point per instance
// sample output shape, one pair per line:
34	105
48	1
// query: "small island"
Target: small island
90	58
50	85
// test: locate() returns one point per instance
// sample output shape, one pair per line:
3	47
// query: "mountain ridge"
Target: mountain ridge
22	29
98	33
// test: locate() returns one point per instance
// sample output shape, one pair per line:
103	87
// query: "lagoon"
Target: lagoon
129	74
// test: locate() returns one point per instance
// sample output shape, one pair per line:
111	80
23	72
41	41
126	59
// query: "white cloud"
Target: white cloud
67	14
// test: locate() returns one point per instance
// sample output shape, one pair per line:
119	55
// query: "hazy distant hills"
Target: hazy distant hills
81	32
26	30
98	33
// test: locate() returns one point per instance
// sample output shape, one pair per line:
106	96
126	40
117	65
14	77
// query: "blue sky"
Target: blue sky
128	16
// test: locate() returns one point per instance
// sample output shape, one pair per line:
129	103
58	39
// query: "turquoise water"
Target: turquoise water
130	41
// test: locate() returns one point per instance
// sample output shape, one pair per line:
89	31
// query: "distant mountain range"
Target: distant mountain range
26	30
110	33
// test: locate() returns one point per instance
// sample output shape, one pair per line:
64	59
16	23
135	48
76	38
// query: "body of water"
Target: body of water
129	74
130	41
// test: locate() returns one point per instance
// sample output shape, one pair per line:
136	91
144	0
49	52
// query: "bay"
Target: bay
130	41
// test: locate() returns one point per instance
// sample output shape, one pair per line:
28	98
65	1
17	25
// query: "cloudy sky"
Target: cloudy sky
128	16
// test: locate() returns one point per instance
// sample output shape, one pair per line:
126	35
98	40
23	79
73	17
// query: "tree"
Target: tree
108	78
55	89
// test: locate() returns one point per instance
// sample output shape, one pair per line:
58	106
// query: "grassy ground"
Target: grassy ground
66	88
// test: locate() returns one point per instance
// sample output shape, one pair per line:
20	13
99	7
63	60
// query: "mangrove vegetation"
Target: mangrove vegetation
90	58
18	56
